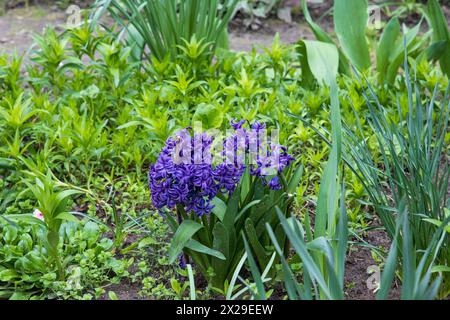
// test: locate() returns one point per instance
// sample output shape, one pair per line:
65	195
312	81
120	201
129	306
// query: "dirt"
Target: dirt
18	26
125	290
360	263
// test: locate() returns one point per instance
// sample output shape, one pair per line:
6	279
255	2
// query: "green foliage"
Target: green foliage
323	252
441	34
417	265
162	26
26	269
353	39
415	169
318	59
351	34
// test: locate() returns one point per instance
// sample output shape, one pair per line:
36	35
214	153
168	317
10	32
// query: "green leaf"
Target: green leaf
66	216
20	296
222	241
441	31
192	294
232	209
443	269
29	218
245	184
350	22
220	208
397	53
209	115
387	42
258	249
246	208
182	236
436	50
67	194
261	292
320	60
438	223
147	241
8	275
295	180
112	295
328	192
198	247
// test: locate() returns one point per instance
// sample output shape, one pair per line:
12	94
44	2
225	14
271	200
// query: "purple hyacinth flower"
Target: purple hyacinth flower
275	184
236	125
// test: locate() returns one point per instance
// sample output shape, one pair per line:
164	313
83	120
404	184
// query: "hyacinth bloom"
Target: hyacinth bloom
184	173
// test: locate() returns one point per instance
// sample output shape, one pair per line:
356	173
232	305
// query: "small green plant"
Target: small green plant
52	211
354	46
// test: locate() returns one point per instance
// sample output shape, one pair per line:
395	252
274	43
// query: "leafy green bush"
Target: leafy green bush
27	271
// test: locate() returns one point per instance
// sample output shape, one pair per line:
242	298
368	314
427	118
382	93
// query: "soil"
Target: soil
360	262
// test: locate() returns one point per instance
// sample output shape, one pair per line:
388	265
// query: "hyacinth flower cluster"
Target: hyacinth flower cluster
185	173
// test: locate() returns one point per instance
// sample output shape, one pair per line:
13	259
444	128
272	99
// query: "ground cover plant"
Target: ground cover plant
139	154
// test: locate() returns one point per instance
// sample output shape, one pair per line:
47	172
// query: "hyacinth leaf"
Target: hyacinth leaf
245	184
260	293
351	32
220	207
290	281
441	32
232	209
387	42
182	236
246	208
258	249
221	243
198	247
192	293
319	61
